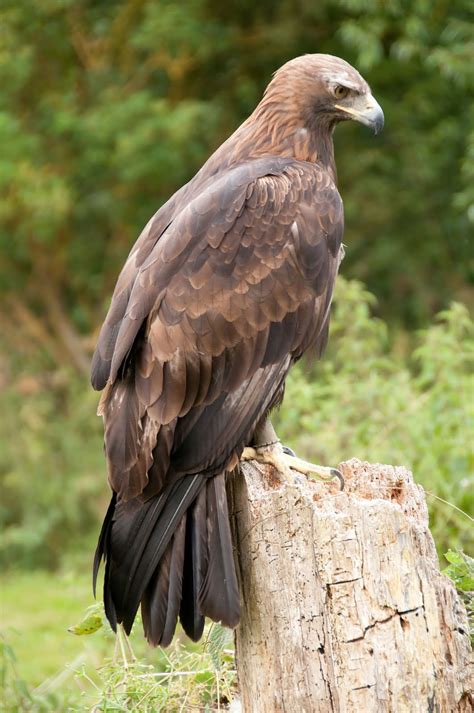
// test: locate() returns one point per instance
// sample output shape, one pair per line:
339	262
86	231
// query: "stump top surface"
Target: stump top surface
362	480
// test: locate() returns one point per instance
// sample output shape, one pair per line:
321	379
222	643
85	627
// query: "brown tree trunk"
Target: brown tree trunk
343	604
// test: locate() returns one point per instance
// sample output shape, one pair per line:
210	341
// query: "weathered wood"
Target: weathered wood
343	605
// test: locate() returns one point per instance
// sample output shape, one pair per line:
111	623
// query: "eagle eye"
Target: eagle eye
340	92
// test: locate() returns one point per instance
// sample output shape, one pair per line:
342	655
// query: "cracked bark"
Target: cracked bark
343	604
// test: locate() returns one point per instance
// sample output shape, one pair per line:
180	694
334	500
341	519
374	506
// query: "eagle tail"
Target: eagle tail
173	554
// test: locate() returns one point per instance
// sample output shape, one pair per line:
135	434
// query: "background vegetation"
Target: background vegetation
108	106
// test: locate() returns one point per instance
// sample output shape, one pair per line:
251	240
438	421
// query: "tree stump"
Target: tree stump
343	605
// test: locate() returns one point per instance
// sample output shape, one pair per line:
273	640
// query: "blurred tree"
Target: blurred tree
366	398
107	107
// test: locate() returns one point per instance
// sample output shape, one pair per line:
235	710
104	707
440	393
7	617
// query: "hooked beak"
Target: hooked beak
366	110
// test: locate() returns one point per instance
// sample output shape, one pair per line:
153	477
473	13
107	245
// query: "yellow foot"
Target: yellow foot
273	455
283	462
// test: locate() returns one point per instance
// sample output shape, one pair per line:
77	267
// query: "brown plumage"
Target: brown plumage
227	286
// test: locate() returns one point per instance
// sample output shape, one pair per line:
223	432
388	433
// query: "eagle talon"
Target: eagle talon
271	456
319	472
284	462
337	474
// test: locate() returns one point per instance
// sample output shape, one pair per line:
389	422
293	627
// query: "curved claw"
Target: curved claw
289	451
337	474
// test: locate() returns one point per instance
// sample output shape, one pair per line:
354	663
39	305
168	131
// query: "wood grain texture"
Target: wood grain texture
343	604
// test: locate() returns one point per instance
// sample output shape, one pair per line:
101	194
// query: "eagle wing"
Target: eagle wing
233	290
239	281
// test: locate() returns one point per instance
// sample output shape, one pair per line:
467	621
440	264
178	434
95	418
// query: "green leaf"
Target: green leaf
92	621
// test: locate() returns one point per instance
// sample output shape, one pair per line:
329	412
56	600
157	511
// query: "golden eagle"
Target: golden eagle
227	286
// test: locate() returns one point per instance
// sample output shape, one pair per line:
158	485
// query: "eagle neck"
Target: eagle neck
276	132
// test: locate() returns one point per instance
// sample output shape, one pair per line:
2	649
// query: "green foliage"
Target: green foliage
374	397
182	679
218	641
104	676
51	469
13	688
461	571
91	622
17	695
37	608
107	108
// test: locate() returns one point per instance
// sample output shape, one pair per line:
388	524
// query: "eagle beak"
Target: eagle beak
366	110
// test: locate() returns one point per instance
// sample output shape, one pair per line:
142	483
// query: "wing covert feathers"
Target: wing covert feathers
228	285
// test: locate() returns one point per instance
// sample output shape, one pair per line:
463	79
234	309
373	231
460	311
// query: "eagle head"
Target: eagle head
325	89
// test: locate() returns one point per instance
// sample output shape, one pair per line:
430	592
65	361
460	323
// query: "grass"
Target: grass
37	609
45	668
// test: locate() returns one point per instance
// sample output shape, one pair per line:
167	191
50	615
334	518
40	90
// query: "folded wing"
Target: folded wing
234	289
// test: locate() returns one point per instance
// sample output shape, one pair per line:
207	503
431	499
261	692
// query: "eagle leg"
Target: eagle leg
267	448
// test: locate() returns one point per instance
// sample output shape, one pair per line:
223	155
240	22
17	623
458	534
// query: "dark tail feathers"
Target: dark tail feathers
173	554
